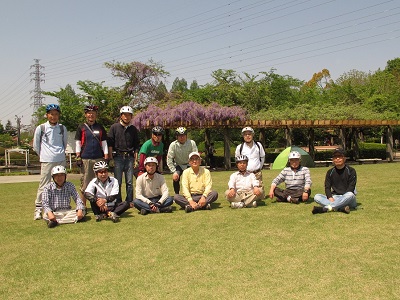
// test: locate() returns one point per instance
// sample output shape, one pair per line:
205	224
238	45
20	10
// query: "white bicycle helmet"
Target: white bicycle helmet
294	154
100	165
58	170
150	159
126	109
241	158
180	130
248	129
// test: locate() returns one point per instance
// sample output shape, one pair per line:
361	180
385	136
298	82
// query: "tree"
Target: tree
141	80
179	85
1	128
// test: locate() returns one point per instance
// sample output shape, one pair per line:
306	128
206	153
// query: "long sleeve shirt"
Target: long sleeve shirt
242	182
178	154
54	198
149	188
193	183
340	181
294	179
50	144
123	138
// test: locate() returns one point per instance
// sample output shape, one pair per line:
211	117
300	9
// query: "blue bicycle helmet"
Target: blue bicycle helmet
50	107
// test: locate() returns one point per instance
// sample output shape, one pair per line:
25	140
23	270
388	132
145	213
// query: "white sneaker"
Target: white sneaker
37	215
237	204
254	204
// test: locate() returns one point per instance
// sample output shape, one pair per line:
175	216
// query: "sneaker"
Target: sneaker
167	209
52	224
37	215
113	216
188	208
294	200
318	210
98	218
143	212
345	209
208	206
237	204
254	204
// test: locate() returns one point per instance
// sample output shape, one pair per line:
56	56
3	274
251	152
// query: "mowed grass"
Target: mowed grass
275	251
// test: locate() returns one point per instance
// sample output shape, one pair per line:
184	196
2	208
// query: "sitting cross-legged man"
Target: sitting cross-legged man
297	182
56	200
196	187
243	187
102	192
152	190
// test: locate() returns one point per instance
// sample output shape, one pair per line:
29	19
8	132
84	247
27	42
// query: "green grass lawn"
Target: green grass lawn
275	251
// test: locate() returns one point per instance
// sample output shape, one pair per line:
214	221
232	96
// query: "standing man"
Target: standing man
123	147
254	151
340	187
196	186
178	155
49	142
152	191
210	153
153	147
91	146
297	181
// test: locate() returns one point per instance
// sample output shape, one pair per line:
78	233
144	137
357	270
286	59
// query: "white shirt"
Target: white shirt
256	159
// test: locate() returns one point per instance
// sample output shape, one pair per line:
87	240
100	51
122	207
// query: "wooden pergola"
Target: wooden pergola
288	125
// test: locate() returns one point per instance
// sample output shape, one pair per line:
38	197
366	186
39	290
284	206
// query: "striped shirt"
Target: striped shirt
294	179
54	198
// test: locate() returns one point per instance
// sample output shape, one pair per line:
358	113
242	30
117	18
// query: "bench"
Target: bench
327	163
372	160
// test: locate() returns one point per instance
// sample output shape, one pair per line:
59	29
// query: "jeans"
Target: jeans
124	164
139	204
340	200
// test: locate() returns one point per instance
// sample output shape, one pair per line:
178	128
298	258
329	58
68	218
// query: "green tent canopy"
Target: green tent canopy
282	159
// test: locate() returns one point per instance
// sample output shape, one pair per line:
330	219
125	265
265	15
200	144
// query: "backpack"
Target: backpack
43	129
258	146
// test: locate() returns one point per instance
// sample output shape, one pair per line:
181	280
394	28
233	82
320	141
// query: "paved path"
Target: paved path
29	178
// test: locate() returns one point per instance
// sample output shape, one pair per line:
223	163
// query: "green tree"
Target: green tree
179	85
141	80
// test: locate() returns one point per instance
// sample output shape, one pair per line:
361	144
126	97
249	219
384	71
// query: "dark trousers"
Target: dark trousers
282	195
182	201
118	208
176	184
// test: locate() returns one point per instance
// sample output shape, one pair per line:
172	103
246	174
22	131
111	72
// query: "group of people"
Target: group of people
192	182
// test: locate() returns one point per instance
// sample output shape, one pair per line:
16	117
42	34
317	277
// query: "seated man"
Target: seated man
56	199
102	192
244	190
196	186
151	190
297	182
340	187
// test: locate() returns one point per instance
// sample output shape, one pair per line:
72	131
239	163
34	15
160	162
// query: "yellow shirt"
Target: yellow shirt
193	183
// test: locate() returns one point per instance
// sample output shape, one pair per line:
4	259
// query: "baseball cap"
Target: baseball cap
194	153
338	151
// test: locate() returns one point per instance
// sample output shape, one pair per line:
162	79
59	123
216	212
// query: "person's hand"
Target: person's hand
257	191
101	203
135	164
175	176
304	197
79	214
51	216
331	199
271	193
202	202
153	207
231	193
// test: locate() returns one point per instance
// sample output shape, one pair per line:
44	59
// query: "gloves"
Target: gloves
79	162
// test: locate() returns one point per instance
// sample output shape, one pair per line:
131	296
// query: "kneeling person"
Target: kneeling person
151	190
102	192
297	181
56	199
196	186
244	190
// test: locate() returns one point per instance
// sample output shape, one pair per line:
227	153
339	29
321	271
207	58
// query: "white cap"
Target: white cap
194	153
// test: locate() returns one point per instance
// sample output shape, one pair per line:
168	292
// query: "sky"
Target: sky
191	39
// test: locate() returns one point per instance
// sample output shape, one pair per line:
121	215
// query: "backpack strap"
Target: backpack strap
258	146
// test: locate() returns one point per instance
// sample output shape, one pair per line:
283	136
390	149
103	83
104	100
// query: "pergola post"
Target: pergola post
389	144
311	141
227	149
